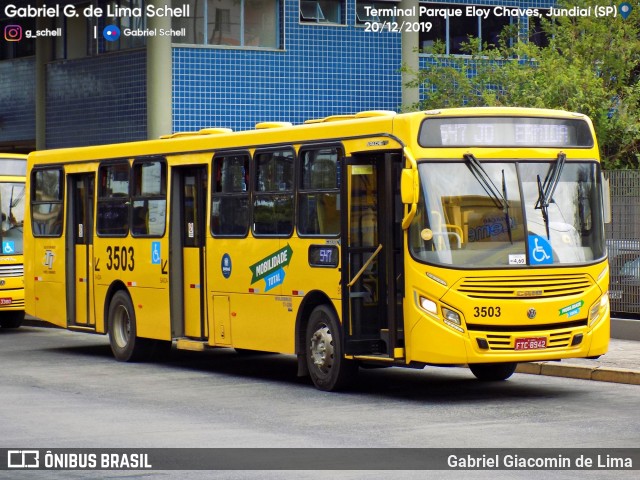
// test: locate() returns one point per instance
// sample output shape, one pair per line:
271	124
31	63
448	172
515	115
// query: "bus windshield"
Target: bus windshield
12	196
494	214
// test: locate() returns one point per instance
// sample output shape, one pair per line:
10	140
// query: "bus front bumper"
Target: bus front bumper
432	342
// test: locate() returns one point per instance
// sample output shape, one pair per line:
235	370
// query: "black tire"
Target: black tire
11	319
328	368
125	344
492	372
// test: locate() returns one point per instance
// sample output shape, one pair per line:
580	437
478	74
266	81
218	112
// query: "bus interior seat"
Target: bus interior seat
328	215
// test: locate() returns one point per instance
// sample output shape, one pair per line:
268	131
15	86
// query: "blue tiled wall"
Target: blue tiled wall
17	100
97	100
322	70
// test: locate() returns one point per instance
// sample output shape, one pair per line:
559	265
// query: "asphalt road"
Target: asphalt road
60	389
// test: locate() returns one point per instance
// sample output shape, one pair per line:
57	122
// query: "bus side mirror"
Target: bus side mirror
606	198
408	184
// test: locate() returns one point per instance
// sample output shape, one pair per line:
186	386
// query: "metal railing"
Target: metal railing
623	242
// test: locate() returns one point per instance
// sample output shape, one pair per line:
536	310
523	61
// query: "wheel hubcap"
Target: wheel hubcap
322	349
122	326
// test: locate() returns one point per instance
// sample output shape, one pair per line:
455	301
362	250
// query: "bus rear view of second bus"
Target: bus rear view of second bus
12	200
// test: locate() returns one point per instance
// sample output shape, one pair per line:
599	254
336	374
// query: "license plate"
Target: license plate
6	301
533	343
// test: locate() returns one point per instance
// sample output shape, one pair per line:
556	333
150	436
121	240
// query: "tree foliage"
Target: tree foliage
591	65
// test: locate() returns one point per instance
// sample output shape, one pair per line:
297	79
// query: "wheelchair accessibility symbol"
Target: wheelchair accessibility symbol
155	253
8	248
540	252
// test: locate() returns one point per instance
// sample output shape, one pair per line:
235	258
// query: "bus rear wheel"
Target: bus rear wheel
492	372
328	368
125	344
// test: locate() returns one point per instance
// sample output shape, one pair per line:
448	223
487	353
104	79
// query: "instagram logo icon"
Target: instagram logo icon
13	33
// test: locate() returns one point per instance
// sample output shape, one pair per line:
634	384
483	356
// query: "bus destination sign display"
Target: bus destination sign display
505	132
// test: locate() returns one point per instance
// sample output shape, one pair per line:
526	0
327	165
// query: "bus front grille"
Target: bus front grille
518	288
11	270
507	342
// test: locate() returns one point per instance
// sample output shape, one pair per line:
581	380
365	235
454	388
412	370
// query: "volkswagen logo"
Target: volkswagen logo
531	313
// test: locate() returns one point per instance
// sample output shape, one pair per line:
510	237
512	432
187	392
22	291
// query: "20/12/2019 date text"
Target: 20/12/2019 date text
397	27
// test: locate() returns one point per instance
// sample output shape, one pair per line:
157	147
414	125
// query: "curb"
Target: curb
599	374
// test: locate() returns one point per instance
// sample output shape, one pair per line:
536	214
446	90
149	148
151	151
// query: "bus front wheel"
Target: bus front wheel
11	319
125	344
492	372
328	368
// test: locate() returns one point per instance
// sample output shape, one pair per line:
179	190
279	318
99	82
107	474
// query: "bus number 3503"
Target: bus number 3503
486	311
120	258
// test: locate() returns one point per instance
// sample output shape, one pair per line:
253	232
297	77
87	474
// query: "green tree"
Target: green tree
591	66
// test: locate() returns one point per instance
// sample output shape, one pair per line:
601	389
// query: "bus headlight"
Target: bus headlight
428	305
452	319
598	307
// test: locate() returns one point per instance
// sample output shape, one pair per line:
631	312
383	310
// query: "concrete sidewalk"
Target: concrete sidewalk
621	364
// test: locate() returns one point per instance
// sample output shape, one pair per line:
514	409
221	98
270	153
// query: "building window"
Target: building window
113	199
319	192
46	202
236	23
149	202
230	195
454	31
537	35
82	36
322	11
273	199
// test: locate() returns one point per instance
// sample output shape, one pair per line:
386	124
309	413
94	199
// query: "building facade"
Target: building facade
224	63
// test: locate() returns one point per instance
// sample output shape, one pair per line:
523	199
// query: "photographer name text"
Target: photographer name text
91	11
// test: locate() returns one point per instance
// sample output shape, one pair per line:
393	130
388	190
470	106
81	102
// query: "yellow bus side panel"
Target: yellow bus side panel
152	312
262	322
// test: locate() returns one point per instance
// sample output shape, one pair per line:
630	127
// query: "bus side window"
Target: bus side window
273	200
230	195
319	192
148	215
46	202
113	199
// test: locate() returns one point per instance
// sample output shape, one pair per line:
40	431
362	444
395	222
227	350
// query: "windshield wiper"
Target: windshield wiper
547	189
483	178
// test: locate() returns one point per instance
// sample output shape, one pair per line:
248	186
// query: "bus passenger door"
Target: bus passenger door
372	259
186	268
79	238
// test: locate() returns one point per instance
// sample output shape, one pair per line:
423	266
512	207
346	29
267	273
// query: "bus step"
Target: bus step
193	345
366	347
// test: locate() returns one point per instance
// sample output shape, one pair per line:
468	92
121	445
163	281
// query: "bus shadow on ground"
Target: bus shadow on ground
431	384
446	384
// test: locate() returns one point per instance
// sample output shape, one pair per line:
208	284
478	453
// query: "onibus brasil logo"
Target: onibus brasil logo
271	268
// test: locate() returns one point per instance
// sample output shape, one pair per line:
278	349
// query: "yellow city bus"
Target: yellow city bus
13	168
450	237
